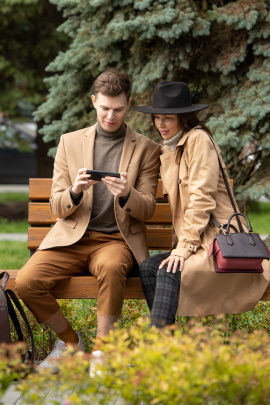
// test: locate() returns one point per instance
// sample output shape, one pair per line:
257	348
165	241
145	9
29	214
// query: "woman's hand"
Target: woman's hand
118	187
82	181
173	262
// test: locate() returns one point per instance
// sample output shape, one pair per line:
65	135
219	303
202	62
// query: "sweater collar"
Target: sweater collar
172	142
105	136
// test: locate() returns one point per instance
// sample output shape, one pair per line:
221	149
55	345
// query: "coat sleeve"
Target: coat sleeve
203	176
61	202
142	199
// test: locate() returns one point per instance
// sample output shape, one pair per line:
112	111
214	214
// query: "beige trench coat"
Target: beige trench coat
195	189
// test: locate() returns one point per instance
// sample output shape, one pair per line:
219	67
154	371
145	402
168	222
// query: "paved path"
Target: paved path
19	188
19	237
12	397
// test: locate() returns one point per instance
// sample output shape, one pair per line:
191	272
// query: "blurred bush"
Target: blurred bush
11	366
193	365
82	316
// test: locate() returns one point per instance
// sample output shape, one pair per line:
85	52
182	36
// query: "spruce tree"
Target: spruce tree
221	49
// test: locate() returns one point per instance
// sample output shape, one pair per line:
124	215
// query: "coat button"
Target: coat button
179	181
68	206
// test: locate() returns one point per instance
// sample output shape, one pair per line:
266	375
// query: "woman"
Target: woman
184	278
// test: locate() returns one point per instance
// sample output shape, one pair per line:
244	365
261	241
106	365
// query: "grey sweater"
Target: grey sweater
107	154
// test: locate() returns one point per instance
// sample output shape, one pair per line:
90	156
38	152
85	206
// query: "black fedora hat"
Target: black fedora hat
171	98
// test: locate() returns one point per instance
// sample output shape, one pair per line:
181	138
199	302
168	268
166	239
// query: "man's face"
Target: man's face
111	111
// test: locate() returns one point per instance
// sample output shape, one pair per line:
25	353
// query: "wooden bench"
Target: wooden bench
41	218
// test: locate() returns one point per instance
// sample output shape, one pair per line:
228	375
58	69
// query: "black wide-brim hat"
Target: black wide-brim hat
171	98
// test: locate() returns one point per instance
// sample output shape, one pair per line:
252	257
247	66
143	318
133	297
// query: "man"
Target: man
100	227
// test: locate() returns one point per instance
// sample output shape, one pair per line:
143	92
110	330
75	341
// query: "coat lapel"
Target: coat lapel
88	154
88	147
128	148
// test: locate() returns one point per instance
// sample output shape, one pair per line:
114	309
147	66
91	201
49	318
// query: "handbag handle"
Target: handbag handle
4	276
249	227
227	185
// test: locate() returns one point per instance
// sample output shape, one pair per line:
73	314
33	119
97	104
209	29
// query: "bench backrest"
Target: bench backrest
41	218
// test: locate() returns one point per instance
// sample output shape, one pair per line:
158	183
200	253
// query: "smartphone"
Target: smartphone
98	174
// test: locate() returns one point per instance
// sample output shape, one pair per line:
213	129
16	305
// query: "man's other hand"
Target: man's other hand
118	187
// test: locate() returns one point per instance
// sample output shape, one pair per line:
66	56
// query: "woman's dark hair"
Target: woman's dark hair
187	122
190	120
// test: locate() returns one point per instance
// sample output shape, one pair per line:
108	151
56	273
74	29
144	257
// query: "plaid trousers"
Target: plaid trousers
161	290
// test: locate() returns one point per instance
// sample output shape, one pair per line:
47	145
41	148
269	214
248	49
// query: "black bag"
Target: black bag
8	300
239	252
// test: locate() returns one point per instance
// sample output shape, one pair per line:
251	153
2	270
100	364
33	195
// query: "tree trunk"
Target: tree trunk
44	163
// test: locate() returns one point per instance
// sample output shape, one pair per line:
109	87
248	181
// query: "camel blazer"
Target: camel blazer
195	188
140	159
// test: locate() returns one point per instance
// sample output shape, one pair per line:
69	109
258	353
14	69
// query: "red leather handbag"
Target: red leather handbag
237	251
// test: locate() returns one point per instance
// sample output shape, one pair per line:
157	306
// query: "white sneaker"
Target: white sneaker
98	358
51	360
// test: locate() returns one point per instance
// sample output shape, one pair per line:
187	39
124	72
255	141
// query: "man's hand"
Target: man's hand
118	187
82	181
173	262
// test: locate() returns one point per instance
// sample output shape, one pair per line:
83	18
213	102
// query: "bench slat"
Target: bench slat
40	189
157	238
41	214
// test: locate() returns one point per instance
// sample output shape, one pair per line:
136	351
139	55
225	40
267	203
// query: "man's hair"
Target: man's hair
112	83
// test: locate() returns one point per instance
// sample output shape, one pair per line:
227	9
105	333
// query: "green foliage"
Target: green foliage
257	319
10	138
28	42
11	366
196	365
220	48
81	314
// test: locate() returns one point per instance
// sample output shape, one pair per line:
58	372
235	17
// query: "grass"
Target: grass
13	197
259	216
13	226
13	254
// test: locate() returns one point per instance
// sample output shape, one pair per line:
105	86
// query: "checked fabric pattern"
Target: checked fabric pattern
161	290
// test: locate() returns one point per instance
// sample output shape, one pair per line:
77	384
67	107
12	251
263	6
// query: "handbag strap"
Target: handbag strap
12	296
227	185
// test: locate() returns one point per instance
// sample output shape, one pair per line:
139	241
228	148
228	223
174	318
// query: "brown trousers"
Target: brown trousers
106	257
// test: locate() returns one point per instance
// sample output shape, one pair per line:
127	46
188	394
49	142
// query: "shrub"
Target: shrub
193	365
11	366
82	316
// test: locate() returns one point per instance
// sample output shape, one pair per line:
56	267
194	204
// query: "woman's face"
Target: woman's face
167	125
